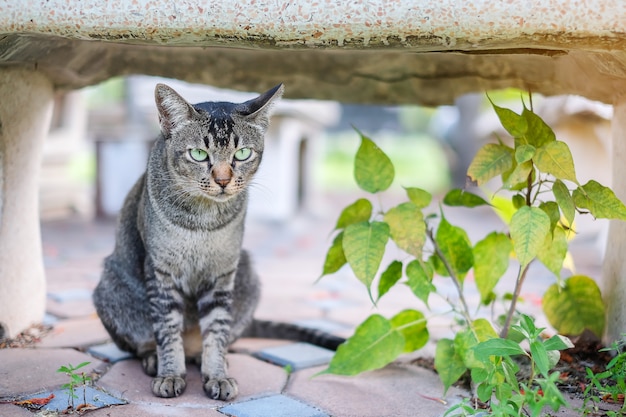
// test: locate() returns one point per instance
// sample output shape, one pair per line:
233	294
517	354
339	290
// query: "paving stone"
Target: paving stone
76	333
10	410
26	371
155	410
296	355
109	352
73	294
70	309
83	395
127	380
329	326
273	406
394	391
250	345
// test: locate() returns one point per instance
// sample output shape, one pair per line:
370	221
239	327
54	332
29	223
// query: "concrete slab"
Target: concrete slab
152	410
394	391
273	406
26	371
109	352
296	355
127	380
76	333
11	410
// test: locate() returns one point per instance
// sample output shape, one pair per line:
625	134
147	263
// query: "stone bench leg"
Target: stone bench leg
26	100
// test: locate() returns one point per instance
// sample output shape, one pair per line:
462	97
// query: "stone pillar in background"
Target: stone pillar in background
614	273
26	101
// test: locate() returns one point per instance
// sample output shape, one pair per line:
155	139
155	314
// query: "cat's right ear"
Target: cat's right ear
173	109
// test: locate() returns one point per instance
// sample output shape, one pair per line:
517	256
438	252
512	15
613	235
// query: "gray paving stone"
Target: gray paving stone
329	326
109	352
273	406
82	395
127	380
297	355
154	410
76	333
10	410
26	371
394	391
73	294
249	345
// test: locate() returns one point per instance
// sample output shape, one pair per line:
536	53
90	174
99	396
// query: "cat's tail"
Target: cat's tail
289	331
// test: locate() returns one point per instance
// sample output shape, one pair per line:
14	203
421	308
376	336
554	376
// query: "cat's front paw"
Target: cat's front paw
168	386
220	389
149	363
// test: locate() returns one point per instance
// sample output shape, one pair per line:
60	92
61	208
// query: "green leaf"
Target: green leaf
412	325
497	347
420	276
388	279
518	201
483	330
460	198
556	159
491	260
558	342
600	201
419	197
335	257
515	124
456	247
373	169
552	210
575	307
464	343
359	211
364	246
448	363
490	161
407	227
518	178
374	344
540	356
504	208
553	252
538	133
524	153
529	227
564	200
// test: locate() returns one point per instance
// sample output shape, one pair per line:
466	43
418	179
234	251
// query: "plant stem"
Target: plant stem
455	280
518	289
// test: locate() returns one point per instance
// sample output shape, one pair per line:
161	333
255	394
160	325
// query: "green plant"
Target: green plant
76	379
543	198
612	382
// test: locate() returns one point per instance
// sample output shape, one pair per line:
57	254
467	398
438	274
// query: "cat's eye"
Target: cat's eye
243	154
198	154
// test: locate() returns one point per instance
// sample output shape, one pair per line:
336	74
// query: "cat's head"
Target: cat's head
214	148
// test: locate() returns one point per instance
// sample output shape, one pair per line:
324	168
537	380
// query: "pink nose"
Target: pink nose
223	182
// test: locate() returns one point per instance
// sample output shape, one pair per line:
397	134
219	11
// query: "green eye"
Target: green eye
243	154
198	154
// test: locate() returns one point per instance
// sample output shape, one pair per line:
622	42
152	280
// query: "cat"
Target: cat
178	267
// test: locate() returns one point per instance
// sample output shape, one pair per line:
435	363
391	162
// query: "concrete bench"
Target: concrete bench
378	51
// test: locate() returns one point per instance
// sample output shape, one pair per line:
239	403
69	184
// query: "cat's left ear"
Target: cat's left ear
260	109
173	109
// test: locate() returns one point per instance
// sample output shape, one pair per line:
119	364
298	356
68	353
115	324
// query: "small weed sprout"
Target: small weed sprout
76	379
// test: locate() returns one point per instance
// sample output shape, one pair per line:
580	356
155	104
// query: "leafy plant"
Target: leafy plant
76	379
611	383
542	199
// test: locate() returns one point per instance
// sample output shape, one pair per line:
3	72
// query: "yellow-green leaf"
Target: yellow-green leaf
515	124
461	198
419	197
564	200
456	247
412	325
359	211
407	227
449	363
524	153
374	344
491	260
552	210
490	161
388	279
529	227
373	169
420	277
575	307
556	159
518	178
335	257
552	253
600	201
364	247
538	133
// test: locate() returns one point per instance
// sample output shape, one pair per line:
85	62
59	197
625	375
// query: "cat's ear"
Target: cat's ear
260	108
173	109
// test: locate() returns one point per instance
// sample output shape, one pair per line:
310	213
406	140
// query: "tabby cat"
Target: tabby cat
178	269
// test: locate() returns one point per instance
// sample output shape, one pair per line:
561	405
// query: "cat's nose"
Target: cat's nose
223	182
